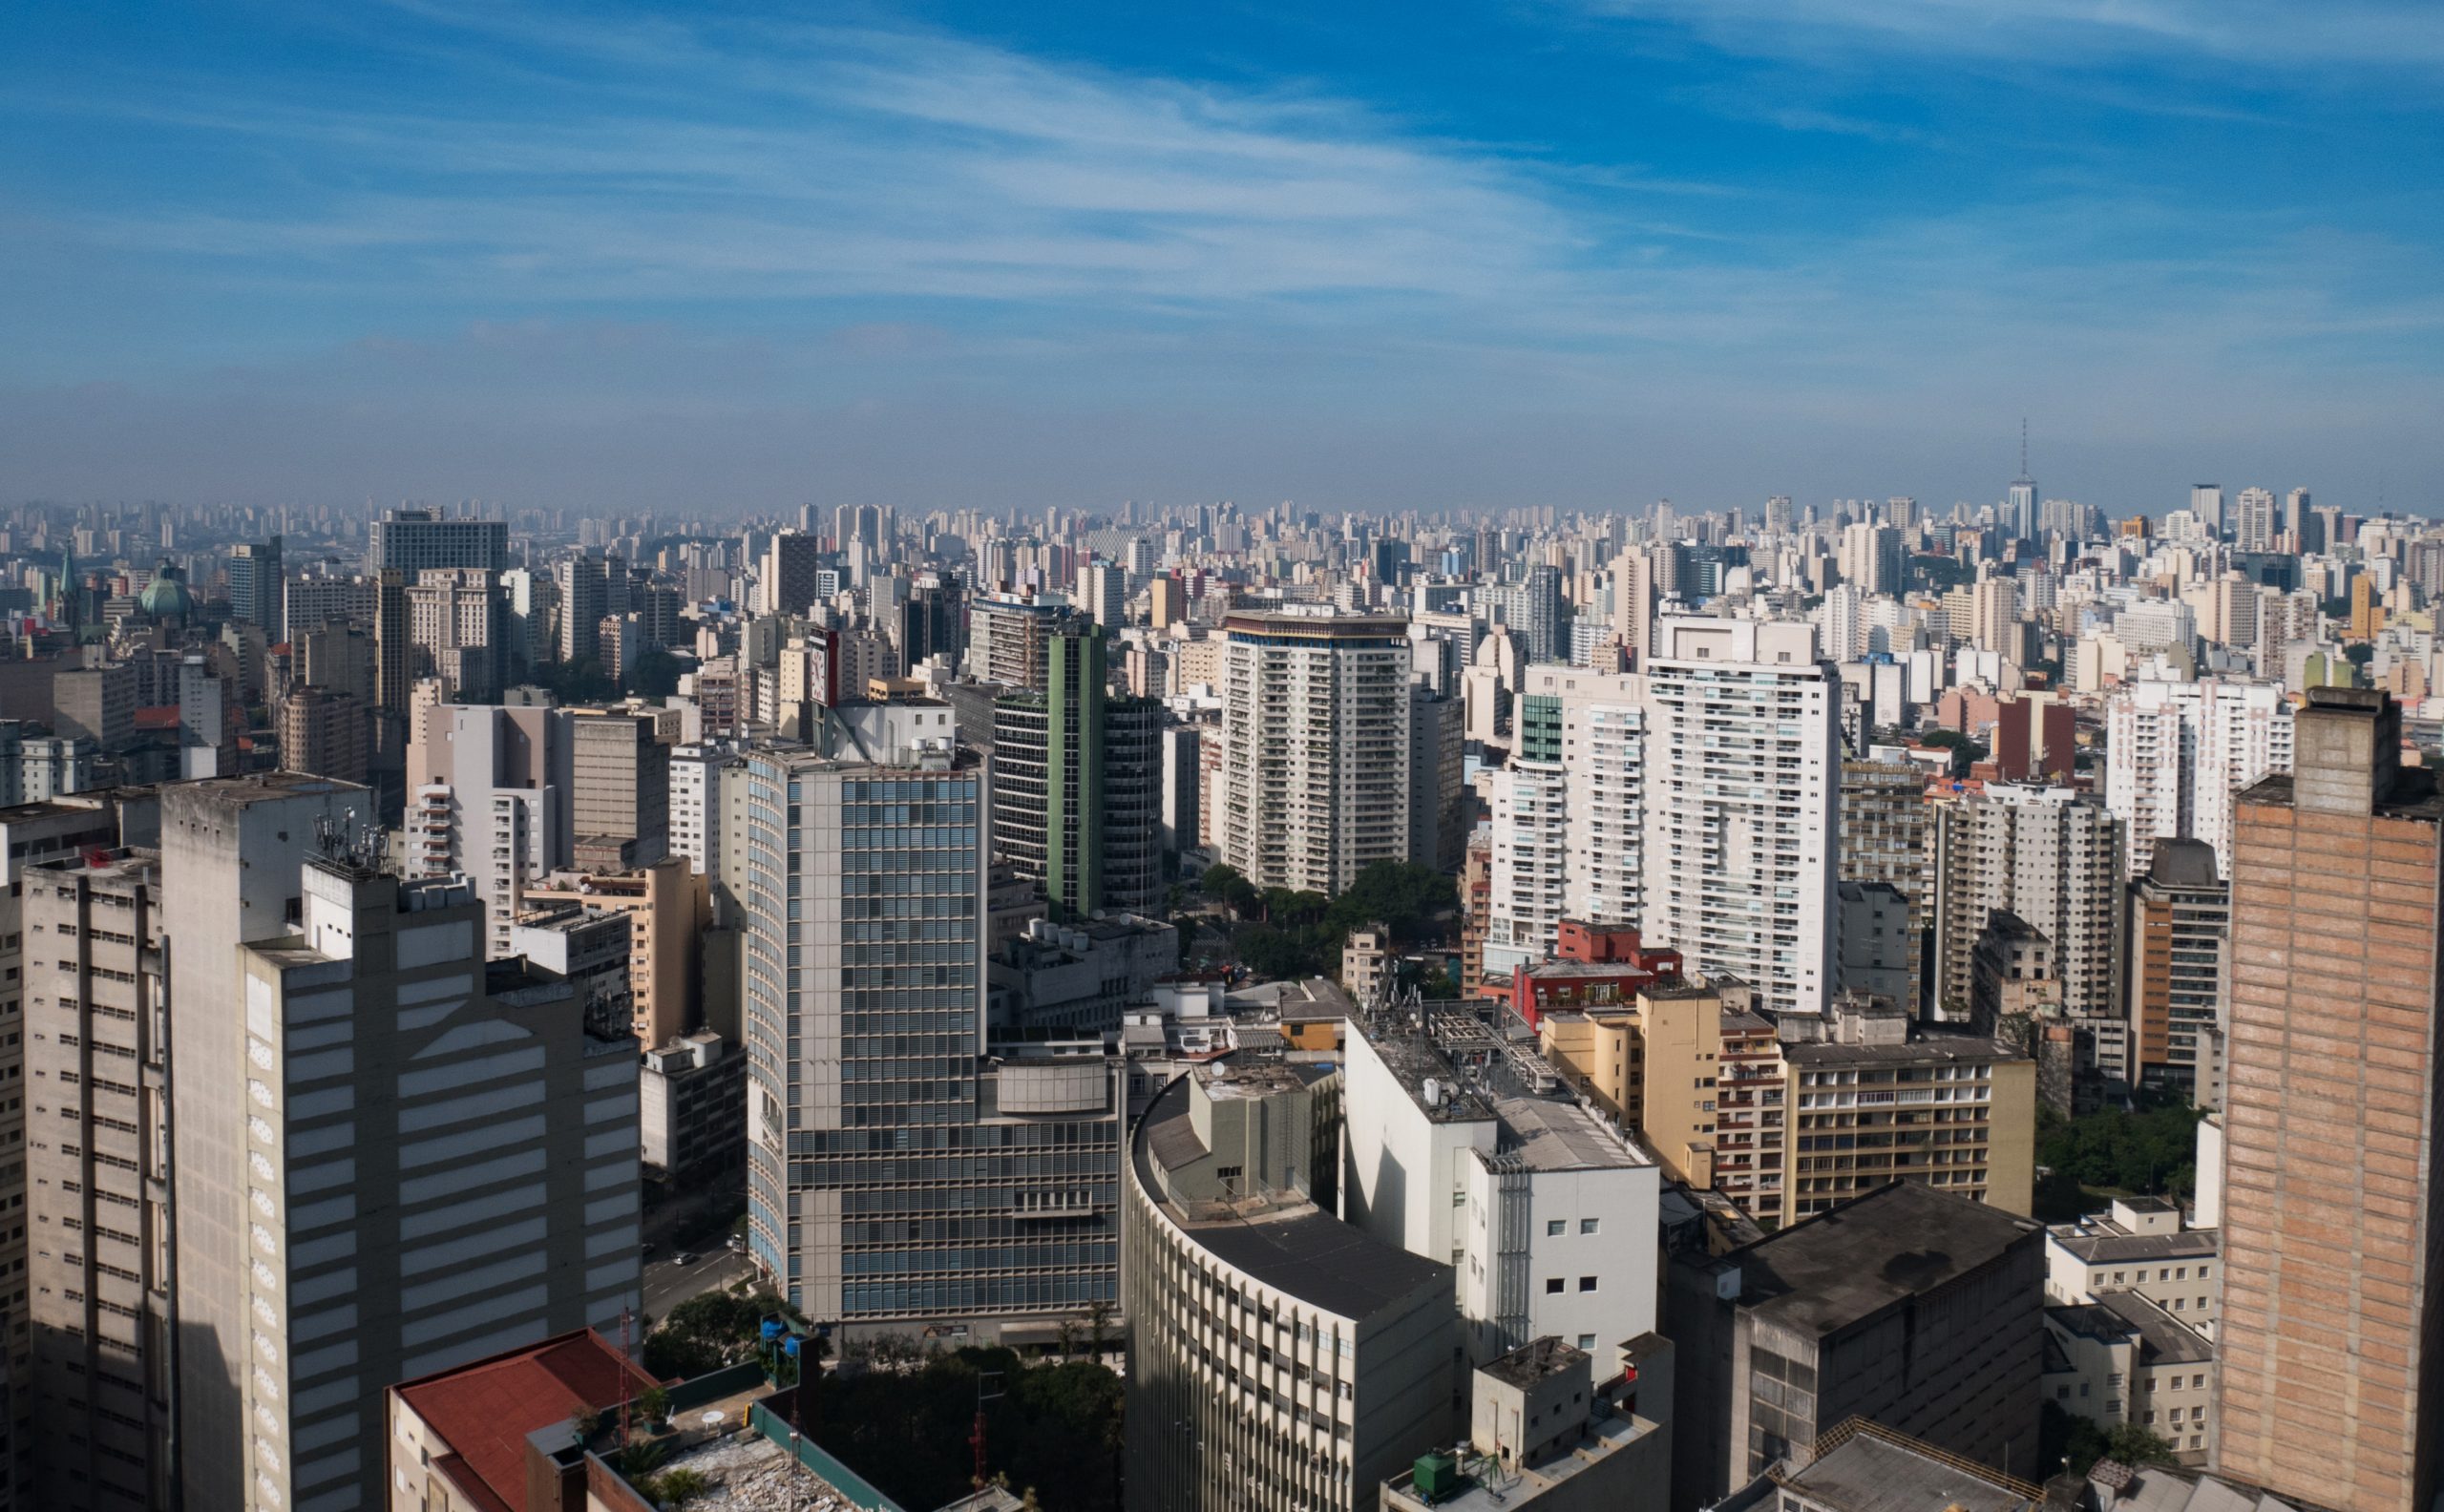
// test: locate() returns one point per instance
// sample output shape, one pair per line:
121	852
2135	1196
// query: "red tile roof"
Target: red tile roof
485	1410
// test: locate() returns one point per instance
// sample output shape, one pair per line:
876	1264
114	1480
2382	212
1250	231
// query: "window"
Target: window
1587	1283
1588	1226
1586	1341
1554	1226
1553	1286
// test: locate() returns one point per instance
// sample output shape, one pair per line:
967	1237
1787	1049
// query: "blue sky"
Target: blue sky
1584	252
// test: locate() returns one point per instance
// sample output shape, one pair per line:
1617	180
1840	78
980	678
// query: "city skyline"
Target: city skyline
1584	256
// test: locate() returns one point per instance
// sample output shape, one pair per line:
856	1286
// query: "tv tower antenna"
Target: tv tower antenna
2023	445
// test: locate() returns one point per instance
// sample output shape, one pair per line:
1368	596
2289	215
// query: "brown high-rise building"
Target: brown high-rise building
2331	1221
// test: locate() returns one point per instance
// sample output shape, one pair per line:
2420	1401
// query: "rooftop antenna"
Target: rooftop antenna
2023	445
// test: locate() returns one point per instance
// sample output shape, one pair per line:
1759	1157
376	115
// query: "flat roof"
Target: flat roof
1414	1060
1926	1048
1827	1273
2412	795
1558	1136
2118	1249
1300	1251
1535	1360
1876	1471
2167	1341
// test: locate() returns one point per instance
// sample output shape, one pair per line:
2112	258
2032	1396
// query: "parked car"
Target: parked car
683	1257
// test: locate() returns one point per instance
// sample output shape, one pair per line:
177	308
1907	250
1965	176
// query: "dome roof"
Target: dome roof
165	596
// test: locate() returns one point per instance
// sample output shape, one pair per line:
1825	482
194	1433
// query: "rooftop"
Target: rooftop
1535	1360
1607	1436
1414	1060
1556	1136
2166	1339
485	1410
1864	1467
1298	1251
1928	1048
1824	1273
2102	1247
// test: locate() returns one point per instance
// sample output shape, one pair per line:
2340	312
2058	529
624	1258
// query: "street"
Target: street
666	1285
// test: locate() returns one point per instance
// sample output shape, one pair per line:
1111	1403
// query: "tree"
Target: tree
655	675
704	1333
655	1403
1099	1324
1965	751
676	1488
1226	886
2136	1445
1404	896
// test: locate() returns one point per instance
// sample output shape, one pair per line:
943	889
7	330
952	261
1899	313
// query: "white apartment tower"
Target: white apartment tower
2175	752
1316	747
1742	797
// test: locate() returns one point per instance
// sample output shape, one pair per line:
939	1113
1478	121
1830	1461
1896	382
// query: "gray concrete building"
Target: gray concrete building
1921	1311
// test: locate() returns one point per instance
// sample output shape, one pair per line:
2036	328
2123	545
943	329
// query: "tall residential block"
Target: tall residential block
391	1157
256	586
412	540
2045	853
1742	801
98	1187
1885	821
2175	752
1077	796
2178	933
2330	1330
1316	748
491	798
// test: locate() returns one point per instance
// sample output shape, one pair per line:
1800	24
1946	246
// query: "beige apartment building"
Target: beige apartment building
2329	1322
667	908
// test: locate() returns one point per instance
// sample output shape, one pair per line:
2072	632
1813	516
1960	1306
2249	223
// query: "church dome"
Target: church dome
165	596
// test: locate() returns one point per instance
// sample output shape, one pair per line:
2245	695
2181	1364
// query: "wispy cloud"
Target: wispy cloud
2278	34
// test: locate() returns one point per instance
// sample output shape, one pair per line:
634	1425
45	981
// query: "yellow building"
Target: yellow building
1652	1063
667	907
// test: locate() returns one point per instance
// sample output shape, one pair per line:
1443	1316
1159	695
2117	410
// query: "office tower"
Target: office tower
1077	785
2175	752
324	733
1884	840
413	541
256	586
404	1158
932	624
1742	793
585	589
1535	613
338	659
2206	507
1278	1358
1438	761
1169	599
394	652
1316	780
2179	927
2042	853
2300	522
869	1108
1777	515
620	782
1870	558
2254	525
1777	1342
2019	509
2329	1322
790	564
1007	634
95	1184
1182	786
489	799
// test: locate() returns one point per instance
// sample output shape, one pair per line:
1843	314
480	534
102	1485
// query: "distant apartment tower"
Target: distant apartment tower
2175	752
2178	933
1009	634
868	1109
1743	799
619	785
1885	822
791	564
1315	782
1531	822
256	587
2256	524
2044	854
325	733
456	620
2330	1328
584	584
489	799
1077	795
412	541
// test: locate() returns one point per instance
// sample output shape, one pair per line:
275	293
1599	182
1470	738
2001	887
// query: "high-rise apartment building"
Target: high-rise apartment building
1742	797
584	591
1531	823
1885	821
2179	929
894	1179
2331	1329
1315	781
1438	763
1077	792
314	600
1871	558
791	585
2175	752
2206	507
490	798
2054	859
455	619
324	732
411	542
2255	523
620	781
1008	634
96	1183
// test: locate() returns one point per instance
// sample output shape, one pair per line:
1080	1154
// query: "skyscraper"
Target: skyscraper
892	1178
2174	752
1316	748
2330	1327
2254	525
1742	796
2207	504
409	542
256	586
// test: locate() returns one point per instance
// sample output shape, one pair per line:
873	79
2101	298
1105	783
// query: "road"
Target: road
667	1285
